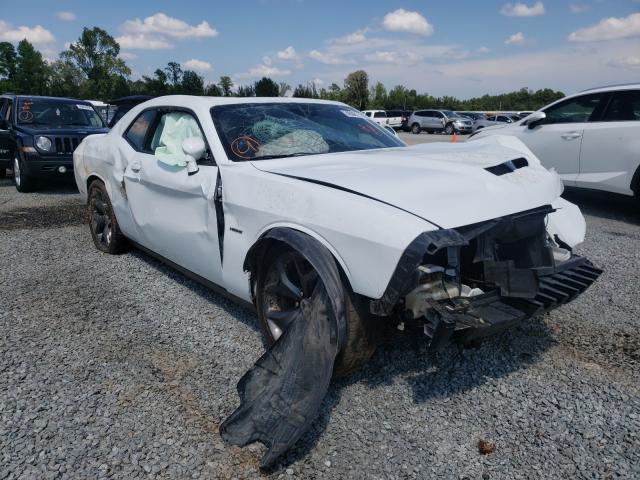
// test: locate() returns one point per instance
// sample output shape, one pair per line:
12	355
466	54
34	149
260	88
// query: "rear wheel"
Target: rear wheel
415	128
286	280
23	182
105	231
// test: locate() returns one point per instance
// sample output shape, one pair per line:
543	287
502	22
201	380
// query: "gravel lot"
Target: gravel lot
116	366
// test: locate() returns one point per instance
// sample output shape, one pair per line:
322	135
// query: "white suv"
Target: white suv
378	116
591	138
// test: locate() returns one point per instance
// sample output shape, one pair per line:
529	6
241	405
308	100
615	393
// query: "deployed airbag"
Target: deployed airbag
173	130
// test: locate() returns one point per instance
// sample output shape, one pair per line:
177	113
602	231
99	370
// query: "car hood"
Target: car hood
446	184
76	131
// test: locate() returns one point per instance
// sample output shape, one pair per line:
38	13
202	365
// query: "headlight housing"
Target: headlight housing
44	143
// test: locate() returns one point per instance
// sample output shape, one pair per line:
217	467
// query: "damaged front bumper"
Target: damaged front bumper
478	280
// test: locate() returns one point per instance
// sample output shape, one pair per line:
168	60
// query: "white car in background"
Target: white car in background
378	116
592	138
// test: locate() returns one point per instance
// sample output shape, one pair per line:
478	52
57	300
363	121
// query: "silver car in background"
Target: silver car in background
492	120
433	121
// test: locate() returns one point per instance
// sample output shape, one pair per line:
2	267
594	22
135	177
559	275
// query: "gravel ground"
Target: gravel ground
116	366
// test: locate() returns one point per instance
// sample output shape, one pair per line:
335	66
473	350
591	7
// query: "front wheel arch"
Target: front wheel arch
635	183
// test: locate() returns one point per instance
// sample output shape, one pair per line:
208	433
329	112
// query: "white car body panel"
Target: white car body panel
600	155
365	207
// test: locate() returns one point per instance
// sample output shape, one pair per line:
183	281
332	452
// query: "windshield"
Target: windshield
450	114
259	131
53	113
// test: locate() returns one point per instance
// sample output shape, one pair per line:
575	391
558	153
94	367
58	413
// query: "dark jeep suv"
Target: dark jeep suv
39	134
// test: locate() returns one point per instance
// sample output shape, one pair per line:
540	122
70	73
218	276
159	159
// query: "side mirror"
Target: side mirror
535	119
193	148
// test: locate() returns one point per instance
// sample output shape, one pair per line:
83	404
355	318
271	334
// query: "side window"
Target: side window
438	115
503	119
136	134
171	130
368	114
380	115
624	106
574	110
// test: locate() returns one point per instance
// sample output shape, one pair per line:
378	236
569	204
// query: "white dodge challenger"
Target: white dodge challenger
332	227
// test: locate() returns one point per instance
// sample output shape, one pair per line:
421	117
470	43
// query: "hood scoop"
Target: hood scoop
508	166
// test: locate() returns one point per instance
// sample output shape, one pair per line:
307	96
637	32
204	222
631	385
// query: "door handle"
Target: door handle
571	135
136	167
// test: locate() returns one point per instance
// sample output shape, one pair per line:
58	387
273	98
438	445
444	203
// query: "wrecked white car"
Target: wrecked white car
331	227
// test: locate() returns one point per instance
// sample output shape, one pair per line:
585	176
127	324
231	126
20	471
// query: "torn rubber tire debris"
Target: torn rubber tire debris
281	394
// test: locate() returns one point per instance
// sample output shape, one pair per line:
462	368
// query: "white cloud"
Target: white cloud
403	20
37	35
288	53
142	41
265	71
396	58
632	62
522	9
609	29
328	58
483	50
163	24
127	55
267	60
66	16
197	65
318	82
579	7
515	39
356	37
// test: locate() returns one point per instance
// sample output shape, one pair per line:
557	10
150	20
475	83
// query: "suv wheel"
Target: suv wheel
415	128
105	230
286	280
449	129
22	181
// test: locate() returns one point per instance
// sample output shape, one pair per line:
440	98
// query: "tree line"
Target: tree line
91	68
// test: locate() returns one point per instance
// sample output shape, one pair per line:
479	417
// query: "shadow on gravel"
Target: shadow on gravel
33	218
605	205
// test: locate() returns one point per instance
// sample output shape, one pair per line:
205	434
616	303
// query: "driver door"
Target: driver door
174	211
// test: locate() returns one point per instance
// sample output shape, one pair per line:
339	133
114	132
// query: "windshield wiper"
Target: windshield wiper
271	157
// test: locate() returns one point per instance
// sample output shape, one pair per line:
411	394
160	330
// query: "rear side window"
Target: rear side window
624	106
136	134
380	115
575	110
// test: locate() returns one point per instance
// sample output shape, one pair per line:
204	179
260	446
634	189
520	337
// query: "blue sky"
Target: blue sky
463	49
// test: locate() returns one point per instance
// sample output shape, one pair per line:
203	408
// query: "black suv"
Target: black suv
39	134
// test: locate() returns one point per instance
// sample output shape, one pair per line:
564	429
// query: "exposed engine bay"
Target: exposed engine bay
479	279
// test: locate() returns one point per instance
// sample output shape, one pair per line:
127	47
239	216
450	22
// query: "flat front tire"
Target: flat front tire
287	279
103	224
415	129
449	129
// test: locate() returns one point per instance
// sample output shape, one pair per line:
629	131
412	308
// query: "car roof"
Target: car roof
63	99
197	101
609	88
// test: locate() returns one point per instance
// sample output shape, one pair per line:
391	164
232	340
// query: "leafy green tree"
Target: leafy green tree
226	85
156	85
306	91
65	79
356	89
246	91
96	54
266	87
32	73
379	96
174	74
213	90
192	83
8	65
